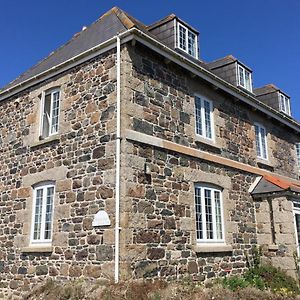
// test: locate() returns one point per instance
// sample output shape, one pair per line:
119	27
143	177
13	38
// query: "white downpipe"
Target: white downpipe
118	162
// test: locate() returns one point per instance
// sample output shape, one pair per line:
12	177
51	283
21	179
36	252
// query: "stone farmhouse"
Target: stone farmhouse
123	155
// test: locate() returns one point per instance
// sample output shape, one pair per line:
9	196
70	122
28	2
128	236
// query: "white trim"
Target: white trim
244	70
50	125
260	141
211	113
187	31
296	211
286	107
44	187
254	184
202	187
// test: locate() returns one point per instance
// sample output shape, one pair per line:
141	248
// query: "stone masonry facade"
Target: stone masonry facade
160	167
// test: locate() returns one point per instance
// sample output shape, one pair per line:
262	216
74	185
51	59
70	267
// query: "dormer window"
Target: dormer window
187	40
284	104
244	78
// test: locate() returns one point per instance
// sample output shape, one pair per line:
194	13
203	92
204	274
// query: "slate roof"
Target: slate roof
268	89
229	59
107	26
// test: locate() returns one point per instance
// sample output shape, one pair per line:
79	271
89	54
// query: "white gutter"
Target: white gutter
118	162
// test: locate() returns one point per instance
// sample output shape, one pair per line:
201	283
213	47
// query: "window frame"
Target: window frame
260	156
187	31
202	116
244	70
284	106
51	91
212	188
44	186
296	211
298	154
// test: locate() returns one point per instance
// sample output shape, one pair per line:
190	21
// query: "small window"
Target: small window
42	214
50	113
284	104
298	153
204	117
209	214
261	141
245	78
187	40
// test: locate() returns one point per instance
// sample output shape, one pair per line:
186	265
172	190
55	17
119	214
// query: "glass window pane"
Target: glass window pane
192	44
263	142
257	141
208	214
241	76
38	215
207	111
198	116
198	208
182	38
48	217
55	112
218	216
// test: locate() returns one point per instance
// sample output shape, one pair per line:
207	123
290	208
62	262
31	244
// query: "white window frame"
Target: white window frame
204	240
296	211
204	133
284	104
242	69
298	154
187	31
44	94
44	186
259	140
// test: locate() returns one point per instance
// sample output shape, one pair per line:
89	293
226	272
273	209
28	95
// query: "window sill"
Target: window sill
212	248
265	164
273	247
48	140
207	142
37	249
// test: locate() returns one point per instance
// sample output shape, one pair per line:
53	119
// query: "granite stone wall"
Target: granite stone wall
80	159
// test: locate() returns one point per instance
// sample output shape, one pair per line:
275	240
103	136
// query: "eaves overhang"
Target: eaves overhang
168	53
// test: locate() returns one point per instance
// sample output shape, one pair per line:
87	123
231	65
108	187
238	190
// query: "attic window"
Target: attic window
284	104
187	40
244	78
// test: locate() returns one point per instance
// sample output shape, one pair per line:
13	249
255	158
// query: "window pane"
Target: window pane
198	207
241	76
182	38
297	221
208	214
198	116
282	103
298	153
218	215
207	117
257	141
247	81
192	44
48	217
263	142
46	116
38	214
55	112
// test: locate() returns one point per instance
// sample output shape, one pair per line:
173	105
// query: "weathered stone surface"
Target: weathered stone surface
104	253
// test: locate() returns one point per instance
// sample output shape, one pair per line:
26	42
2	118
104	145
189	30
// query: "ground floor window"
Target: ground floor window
209	214
42	213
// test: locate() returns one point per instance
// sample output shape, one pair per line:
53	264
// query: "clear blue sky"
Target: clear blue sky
264	34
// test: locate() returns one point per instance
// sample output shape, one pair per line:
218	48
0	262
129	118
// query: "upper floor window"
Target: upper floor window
187	40
284	104
50	112
204	117
209	214
298	153
42	211
244	78
261	141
